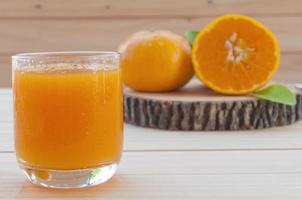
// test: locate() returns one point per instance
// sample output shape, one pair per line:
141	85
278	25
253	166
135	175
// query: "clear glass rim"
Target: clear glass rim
58	54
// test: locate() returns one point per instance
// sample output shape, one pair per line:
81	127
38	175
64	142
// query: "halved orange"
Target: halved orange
235	54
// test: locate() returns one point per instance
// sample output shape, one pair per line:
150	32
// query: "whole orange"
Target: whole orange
156	61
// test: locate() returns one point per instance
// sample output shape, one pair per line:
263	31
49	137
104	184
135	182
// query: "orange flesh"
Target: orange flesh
68	119
210	55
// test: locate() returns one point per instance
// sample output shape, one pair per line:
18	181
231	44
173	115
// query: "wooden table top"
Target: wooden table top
265	164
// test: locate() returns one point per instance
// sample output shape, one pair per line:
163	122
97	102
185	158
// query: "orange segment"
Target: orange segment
235	54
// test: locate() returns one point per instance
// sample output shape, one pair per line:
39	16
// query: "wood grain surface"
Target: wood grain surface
178	165
60	25
146	8
19	35
195	107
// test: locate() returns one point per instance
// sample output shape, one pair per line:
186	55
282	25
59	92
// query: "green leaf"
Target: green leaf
277	93
190	36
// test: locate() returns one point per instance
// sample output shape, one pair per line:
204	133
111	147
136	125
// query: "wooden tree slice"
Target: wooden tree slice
196	107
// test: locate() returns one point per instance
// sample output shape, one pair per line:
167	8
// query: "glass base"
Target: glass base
69	178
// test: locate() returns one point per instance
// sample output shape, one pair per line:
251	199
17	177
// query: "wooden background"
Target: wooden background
57	25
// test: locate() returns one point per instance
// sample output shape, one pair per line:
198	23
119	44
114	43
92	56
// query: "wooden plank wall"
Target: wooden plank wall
58	25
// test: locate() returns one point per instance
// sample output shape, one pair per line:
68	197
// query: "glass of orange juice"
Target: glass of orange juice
68	117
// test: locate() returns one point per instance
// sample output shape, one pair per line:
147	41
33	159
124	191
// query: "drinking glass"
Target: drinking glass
68	117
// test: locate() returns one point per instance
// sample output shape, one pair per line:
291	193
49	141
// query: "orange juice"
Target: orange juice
68	119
